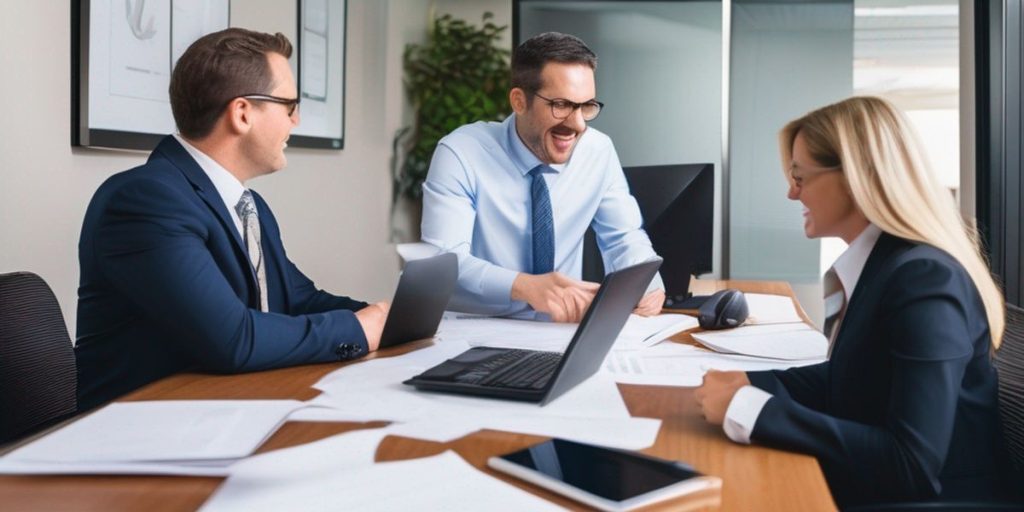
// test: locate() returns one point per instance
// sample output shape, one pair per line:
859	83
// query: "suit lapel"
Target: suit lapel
170	149
884	248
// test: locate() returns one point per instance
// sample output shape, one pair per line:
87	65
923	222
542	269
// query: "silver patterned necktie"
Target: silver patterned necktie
246	209
835	304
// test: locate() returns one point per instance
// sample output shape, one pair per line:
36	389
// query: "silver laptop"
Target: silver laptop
424	290
537	376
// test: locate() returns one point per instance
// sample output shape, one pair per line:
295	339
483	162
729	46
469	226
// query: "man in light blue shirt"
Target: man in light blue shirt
514	199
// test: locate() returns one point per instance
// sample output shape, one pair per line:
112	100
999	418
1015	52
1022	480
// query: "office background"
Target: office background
334	206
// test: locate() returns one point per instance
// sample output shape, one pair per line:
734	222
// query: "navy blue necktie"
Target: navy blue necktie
543	224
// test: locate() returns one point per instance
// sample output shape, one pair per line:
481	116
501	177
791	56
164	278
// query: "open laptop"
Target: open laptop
423	292
536	376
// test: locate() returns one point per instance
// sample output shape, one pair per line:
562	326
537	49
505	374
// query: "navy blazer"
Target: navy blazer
906	408
166	286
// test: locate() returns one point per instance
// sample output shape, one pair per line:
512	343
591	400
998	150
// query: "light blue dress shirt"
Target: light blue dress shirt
476	204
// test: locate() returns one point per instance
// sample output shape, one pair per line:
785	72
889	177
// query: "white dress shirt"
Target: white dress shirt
746	404
476	204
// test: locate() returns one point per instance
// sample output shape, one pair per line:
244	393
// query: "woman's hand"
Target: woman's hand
714	395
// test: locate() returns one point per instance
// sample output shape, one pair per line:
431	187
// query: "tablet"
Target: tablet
604	478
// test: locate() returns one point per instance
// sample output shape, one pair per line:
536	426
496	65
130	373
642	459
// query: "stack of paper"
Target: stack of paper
161	437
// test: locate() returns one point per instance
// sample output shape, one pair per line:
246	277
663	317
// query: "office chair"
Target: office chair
38	379
1009	362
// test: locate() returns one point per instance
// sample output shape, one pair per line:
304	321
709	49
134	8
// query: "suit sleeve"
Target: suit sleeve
618	224
151	246
807	385
929	346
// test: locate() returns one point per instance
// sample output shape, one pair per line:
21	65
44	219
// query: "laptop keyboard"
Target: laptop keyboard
523	369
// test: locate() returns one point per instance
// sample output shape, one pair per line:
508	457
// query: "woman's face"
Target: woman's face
829	209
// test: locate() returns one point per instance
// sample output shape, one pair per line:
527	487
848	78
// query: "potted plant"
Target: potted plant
458	76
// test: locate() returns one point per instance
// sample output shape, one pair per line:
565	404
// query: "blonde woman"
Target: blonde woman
906	406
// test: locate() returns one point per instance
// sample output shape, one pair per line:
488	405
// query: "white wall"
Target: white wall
333	206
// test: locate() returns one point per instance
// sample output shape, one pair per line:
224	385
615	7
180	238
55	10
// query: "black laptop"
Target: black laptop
536	376
423	292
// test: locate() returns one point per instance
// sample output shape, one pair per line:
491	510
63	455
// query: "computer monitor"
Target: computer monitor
677	205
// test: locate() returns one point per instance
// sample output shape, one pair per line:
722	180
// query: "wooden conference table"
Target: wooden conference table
754	477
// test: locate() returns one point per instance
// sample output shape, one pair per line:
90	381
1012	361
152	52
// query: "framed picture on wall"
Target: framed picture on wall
321	80
122	56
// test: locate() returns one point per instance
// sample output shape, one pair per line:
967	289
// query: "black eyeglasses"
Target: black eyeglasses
292	104
562	108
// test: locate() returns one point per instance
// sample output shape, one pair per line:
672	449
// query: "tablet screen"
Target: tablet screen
610	474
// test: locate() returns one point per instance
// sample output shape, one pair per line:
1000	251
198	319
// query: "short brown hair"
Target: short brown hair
217	68
530	56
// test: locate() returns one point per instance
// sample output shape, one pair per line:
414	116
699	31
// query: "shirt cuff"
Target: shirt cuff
496	285
741	416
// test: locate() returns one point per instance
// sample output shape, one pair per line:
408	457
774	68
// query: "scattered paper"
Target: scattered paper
640	332
684	365
373	390
441	482
190	437
781	341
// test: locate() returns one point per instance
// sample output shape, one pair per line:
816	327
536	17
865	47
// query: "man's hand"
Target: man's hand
714	395
371	319
651	304
564	298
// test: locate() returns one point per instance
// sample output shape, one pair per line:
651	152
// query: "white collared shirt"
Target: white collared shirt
746	404
850	264
227	185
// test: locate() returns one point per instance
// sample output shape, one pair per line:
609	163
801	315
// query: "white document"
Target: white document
781	341
597	397
648	331
176	432
18	467
373	390
684	366
442	482
771	309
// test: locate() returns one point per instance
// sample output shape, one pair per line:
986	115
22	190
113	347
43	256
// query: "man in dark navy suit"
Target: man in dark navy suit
182	267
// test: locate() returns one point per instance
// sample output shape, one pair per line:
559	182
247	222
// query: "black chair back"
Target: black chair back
1009	361
38	380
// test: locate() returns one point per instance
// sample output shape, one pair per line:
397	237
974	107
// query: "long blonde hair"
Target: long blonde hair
889	179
